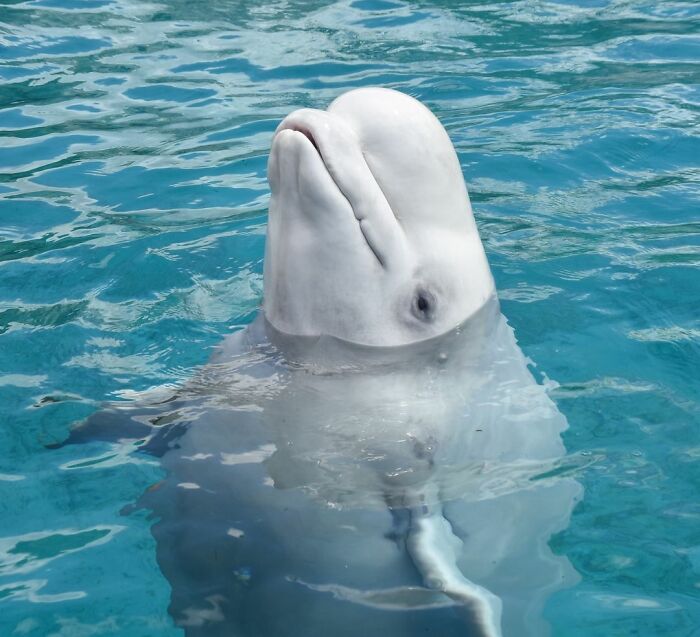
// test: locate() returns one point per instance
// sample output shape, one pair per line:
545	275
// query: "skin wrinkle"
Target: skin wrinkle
379	185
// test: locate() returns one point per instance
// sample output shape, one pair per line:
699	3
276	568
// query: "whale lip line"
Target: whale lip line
295	127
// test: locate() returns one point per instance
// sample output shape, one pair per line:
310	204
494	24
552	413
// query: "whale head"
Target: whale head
371	237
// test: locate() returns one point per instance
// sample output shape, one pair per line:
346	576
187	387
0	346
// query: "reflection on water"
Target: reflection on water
132	212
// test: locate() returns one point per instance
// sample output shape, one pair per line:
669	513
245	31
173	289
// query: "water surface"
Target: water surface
132	216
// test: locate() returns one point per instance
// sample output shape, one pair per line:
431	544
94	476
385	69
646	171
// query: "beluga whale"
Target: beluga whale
371	455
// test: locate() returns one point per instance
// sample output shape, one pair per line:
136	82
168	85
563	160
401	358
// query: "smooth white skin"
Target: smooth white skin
369	213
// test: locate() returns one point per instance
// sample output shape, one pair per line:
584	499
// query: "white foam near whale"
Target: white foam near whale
372	455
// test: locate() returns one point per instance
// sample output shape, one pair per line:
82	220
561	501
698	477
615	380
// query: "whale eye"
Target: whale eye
423	306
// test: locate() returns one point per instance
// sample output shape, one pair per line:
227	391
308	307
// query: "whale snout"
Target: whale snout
311	146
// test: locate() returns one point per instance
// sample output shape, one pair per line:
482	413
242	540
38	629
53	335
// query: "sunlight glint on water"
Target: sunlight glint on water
132	215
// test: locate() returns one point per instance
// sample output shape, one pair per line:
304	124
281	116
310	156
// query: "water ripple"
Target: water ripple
133	148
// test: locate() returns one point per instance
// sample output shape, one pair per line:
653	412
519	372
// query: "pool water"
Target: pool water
133	200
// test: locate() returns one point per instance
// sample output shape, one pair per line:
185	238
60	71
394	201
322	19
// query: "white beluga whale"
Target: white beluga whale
371	456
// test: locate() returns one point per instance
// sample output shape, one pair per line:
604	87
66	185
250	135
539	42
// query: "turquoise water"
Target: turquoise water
132	216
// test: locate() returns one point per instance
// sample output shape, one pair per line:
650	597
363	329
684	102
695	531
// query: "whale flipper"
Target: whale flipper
435	549
431	545
155	427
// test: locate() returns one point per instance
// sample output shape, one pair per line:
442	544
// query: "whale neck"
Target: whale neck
325	354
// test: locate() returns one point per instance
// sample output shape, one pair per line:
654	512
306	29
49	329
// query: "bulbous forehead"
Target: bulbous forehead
411	157
382	116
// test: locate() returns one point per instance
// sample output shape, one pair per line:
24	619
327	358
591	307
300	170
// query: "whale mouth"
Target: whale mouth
306	132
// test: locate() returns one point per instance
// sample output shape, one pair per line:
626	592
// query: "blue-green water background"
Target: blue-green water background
133	144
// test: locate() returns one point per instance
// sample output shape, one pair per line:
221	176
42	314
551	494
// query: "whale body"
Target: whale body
372	455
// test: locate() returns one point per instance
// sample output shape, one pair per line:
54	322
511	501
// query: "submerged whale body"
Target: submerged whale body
372	455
